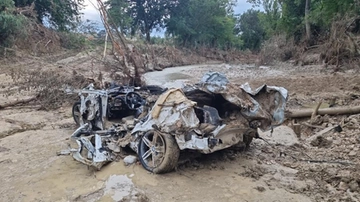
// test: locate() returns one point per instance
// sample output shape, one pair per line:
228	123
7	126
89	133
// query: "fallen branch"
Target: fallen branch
318	134
328	111
313	115
311	126
17	102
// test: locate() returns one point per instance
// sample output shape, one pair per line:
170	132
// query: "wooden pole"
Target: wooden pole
330	111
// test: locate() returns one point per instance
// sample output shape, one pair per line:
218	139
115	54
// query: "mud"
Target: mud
275	170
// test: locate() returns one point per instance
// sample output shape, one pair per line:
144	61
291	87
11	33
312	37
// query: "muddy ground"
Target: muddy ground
287	168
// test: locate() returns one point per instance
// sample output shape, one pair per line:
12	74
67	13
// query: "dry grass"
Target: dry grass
277	48
343	45
47	85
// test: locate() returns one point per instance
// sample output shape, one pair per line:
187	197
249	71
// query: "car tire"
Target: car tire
158	152
76	112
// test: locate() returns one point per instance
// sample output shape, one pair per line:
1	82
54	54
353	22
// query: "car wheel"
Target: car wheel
76	112
158	152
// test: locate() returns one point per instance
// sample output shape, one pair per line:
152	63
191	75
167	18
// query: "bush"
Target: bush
10	26
277	48
71	40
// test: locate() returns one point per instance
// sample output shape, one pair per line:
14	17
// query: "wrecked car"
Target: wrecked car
209	116
97	106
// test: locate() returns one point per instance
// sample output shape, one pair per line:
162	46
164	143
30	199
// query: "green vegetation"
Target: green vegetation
71	40
251	29
139	15
304	19
198	23
61	14
10	25
206	23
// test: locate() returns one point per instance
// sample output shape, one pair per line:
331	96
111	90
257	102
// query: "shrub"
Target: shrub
11	25
277	48
71	40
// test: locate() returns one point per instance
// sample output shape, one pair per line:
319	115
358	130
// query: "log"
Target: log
14	103
329	111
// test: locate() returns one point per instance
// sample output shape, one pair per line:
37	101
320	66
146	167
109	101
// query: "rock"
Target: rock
354	186
321	142
330	189
353	153
264	67
283	135
343	173
352	140
337	142
128	160
342	186
260	188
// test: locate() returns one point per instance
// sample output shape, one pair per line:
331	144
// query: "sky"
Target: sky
90	13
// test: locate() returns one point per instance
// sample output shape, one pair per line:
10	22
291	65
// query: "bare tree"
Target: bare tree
307	23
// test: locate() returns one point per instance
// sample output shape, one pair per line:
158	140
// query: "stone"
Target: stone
128	160
260	188
283	135
330	189
342	186
353	153
353	186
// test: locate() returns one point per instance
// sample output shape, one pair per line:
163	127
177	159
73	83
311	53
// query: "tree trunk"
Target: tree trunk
307	23
148	36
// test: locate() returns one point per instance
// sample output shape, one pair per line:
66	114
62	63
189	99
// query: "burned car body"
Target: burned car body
209	116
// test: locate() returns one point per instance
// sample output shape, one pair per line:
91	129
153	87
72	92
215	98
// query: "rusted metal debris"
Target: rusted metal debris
209	116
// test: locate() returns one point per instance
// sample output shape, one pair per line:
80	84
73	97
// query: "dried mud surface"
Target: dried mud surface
286	168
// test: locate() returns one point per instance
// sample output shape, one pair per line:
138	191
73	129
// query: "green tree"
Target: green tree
324	12
61	14
270	18
293	12
203	22
120	18
10	24
287	16
251	30
143	15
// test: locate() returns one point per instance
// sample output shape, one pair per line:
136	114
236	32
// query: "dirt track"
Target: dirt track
31	171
